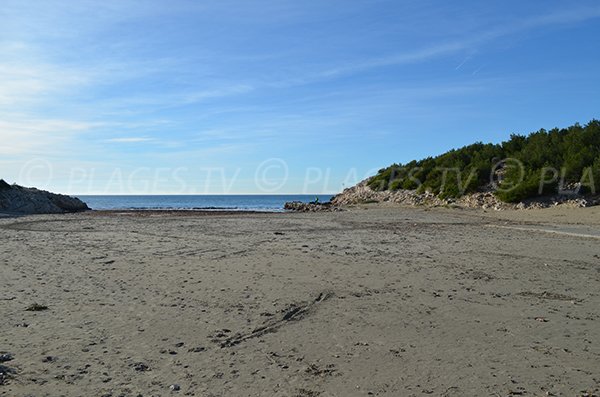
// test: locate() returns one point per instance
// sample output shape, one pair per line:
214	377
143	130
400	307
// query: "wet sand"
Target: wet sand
373	301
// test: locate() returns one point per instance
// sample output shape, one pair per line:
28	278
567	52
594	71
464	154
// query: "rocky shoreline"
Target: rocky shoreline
299	206
363	194
15	199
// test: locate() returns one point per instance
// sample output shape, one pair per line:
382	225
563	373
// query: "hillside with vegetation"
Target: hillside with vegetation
523	167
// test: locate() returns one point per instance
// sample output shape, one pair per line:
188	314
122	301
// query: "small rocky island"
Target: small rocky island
15	199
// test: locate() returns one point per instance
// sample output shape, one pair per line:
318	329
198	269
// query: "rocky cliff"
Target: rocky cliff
21	200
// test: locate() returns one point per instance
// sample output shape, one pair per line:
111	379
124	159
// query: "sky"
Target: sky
277	96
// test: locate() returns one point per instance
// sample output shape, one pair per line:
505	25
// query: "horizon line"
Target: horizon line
202	194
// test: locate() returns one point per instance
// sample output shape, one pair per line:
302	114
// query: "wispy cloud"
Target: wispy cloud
34	136
226	91
130	140
29	83
153	102
562	17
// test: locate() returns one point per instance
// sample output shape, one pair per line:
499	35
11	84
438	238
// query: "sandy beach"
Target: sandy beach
372	301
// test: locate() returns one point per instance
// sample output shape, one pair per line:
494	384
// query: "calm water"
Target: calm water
210	202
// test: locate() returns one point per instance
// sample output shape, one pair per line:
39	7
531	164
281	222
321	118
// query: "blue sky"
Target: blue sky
277	96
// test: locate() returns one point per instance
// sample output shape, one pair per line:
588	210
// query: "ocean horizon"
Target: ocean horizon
212	202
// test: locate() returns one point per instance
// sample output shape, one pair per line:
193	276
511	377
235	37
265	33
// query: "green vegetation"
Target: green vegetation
539	164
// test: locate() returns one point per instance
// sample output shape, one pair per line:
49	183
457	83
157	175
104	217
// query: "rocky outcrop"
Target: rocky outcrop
363	194
299	206
21	200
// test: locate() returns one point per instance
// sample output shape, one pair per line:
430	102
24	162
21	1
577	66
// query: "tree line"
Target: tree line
542	163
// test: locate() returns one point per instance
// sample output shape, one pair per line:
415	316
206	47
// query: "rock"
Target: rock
36	307
141	367
22	200
299	206
5	357
6	373
363	194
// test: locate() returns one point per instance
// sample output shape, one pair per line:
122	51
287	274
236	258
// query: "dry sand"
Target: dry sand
382	301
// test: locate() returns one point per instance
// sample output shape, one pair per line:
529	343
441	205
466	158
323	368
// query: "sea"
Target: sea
269	203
